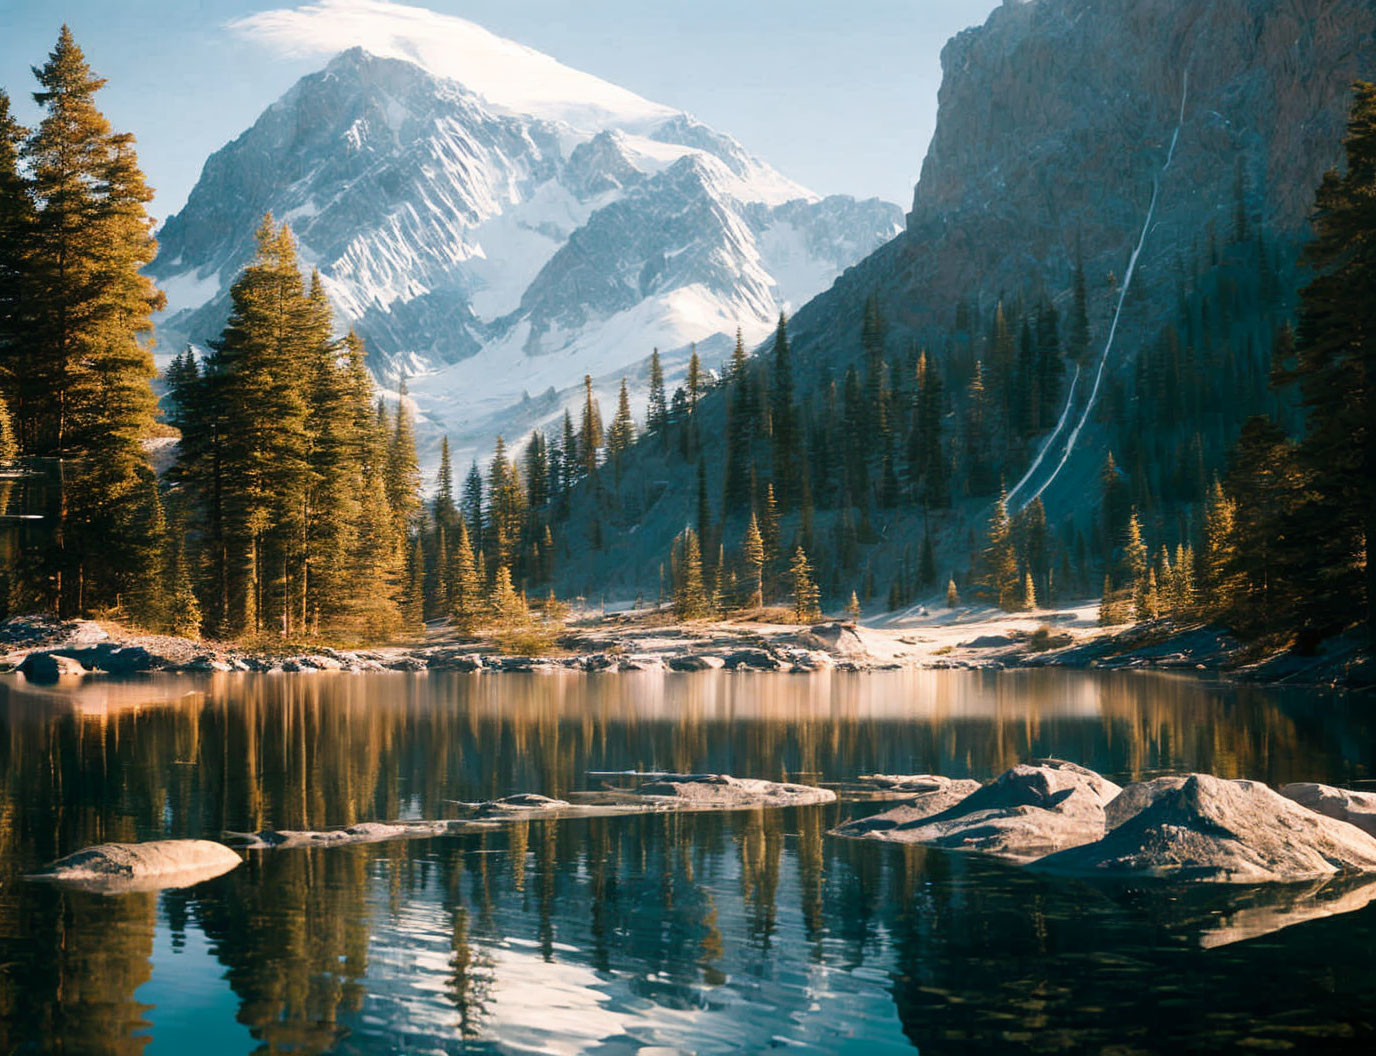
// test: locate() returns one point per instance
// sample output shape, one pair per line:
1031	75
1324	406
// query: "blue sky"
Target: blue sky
840	96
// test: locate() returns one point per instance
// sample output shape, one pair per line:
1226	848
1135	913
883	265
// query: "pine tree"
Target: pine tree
1334	367
786	440
753	558
1135	567
255	439
1000	560
806	596
1217	559
692	382
952	594
444	510
590	434
690	593
1028	599
657	416
508	608
465	597
927	570
621	435
1267	486
16	221
403	468
853	607
413	597
79	366
769	532
473	503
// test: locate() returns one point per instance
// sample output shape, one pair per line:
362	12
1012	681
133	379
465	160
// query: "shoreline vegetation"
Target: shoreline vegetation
289	511
47	650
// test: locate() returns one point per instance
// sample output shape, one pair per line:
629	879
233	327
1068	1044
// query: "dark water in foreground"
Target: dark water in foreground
741	932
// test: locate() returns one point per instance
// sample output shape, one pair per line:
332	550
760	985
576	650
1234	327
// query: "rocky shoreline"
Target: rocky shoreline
45	649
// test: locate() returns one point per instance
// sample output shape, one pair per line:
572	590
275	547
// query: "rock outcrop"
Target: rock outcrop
1355	808
1029	811
1213	830
923	795
117	868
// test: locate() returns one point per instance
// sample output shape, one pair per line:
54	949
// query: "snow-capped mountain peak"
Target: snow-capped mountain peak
487	253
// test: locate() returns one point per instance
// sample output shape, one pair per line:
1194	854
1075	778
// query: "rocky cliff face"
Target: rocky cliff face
447	228
1056	120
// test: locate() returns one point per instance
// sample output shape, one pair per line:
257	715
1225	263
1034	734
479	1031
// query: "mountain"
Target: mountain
488	246
1132	134
1161	156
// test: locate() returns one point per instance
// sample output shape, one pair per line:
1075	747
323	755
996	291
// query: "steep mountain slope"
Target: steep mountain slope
446	225
1160	142
1133	134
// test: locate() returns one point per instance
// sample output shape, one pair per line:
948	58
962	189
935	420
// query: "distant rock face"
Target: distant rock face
117	868
444	226
1213	830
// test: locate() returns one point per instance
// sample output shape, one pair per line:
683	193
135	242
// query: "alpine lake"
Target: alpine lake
714	932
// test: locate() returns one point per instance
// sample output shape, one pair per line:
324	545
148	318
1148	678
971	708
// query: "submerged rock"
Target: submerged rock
364	832
1214	830
723	792
1027	812
519	805
117	868
1355	808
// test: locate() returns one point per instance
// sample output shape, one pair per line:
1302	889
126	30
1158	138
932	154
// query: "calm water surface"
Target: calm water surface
742	932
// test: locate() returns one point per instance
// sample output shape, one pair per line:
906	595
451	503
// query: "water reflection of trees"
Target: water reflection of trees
675	900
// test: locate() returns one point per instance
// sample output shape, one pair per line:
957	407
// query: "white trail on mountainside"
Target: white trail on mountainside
1122	297
1046	444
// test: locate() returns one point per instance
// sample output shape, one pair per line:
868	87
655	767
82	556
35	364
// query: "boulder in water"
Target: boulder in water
1027	812
117	868
1355	808
723	792
1213	830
